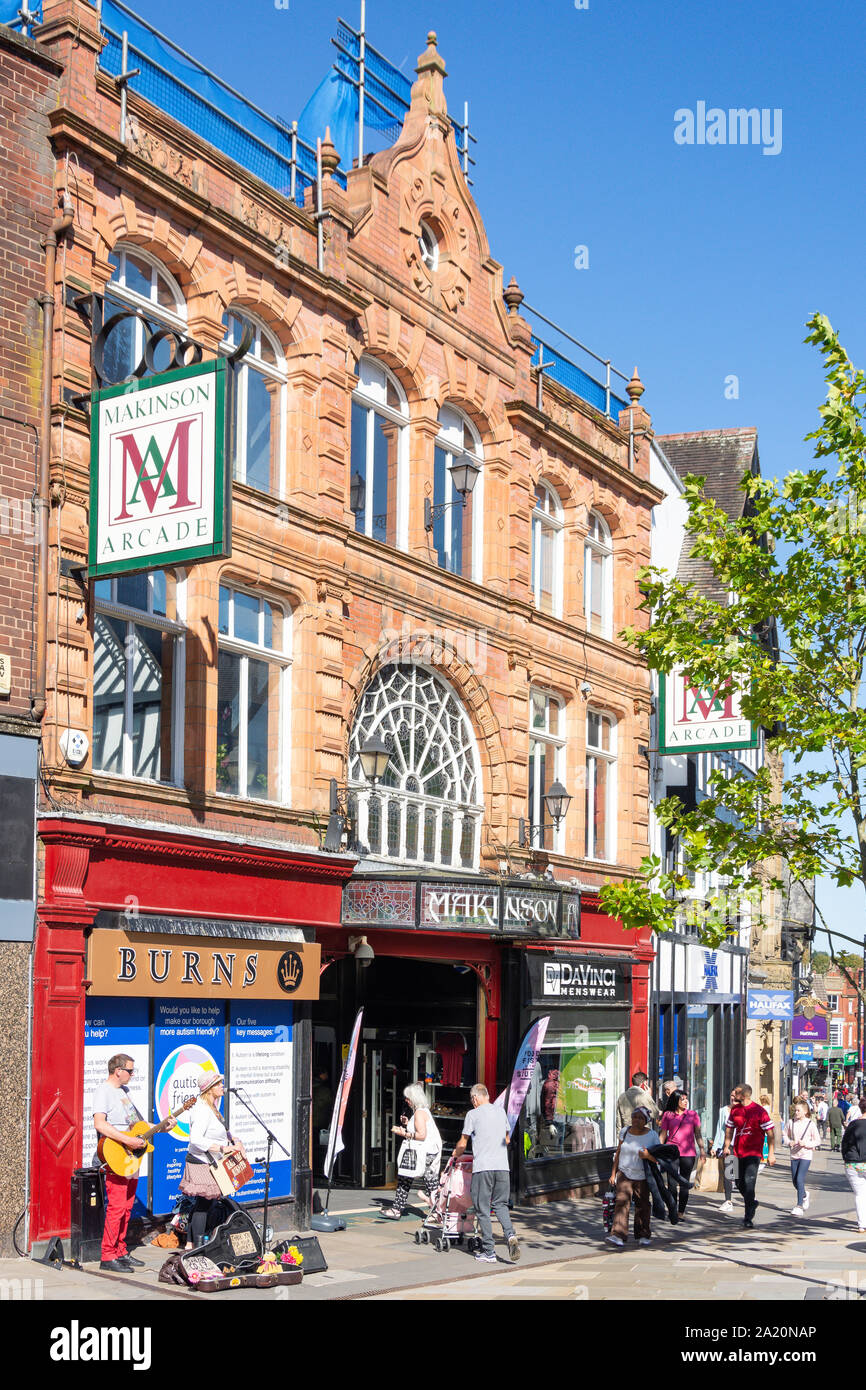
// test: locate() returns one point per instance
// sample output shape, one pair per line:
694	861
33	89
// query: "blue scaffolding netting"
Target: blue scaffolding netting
386	91
177	84
575	379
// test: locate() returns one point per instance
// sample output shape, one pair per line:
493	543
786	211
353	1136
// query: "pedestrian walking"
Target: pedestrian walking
854	1158
638	1093
727	1165
836	1121
766	1100
745	1128
681	1127
420	1154
801	1135
487	1126
628	1176
821	1112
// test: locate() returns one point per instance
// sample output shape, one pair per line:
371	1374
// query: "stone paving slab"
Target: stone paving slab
709	1255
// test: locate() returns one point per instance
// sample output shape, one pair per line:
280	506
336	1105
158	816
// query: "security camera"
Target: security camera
585	689
362	951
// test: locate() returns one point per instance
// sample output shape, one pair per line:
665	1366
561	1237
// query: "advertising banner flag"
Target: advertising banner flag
524	1066
335	1136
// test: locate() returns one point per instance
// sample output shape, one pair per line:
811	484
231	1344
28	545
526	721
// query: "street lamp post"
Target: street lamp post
375	756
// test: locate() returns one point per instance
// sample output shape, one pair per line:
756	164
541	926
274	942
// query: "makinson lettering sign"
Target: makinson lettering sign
159	489
699	719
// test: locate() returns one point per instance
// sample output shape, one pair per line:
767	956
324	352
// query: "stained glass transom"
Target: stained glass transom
427	808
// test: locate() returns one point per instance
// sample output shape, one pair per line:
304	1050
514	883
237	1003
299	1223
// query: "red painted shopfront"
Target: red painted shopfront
97	873
447	990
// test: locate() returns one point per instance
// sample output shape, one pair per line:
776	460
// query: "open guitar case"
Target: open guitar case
231	1258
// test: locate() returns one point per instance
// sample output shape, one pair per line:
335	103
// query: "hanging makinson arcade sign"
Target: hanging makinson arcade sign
160	480
699	719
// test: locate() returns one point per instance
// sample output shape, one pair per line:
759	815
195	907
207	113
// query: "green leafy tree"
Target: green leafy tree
820	962
792	639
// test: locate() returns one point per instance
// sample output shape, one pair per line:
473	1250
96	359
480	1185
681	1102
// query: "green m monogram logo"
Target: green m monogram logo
140	485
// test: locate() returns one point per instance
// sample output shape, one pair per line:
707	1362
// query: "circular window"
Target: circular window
428	246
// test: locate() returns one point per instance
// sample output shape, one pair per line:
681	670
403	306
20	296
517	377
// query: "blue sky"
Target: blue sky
704	260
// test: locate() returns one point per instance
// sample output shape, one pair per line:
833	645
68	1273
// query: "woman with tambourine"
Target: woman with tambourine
208	1140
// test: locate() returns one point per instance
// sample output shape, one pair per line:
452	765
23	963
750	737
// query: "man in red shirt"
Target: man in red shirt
746	1125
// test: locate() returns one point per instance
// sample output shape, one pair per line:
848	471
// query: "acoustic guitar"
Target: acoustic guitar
126	1162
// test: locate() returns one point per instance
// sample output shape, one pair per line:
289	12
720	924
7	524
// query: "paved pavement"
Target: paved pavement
708	1257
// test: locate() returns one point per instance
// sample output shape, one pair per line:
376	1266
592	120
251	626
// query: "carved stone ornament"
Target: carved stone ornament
272	228
426	200
161	155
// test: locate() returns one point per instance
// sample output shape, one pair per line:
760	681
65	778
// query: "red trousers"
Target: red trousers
119	1199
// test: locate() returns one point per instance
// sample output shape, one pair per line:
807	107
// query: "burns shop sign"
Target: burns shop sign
169	966
158	479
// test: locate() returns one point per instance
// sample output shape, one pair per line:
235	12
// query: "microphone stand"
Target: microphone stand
272	1139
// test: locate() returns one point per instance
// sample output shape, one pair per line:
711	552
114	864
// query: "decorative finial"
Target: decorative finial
635	388
330	155
513	296
431	38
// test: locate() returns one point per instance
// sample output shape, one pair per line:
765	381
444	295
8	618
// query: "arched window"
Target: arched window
258	404
547	547
428	807
378	459
139	676
252	696
600	786
456	532
139	282
598	578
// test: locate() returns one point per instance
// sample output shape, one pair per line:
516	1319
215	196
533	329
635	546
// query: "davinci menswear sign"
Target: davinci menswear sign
158	483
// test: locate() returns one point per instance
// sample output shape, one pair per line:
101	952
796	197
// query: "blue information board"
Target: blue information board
260	1062
112	1026
188	1038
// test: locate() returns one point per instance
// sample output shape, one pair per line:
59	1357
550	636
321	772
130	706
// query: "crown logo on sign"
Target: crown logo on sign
290	971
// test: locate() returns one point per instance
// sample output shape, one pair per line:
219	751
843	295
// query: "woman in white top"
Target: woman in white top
208	1138
420	1154
801	1133
629	1177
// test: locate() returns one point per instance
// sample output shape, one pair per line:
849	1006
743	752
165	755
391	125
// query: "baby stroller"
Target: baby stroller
452	1217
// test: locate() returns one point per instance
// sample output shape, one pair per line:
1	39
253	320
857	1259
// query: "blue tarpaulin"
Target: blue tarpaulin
333	104
9	11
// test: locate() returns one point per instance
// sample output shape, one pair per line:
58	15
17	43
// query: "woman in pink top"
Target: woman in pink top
682	1127
801	1133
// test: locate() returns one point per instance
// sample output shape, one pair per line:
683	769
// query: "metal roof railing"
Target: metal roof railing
184	88
549	361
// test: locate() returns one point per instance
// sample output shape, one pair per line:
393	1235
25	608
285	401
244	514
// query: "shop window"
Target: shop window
571	1105
546	765
428	807
598	578
258	404
139	282
456	533
701	1029
600	786
252	696
547	548
378	455
138	677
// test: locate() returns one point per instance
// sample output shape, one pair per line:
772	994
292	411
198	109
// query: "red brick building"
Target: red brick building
28	206
360	601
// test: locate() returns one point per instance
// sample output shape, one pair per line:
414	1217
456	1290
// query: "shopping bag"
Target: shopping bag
608	1202
407	1160
711	1176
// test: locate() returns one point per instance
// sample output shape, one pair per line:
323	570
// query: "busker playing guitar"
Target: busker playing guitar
113	1115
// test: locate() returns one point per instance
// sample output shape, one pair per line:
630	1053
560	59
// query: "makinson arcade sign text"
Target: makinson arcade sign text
158	484
699	719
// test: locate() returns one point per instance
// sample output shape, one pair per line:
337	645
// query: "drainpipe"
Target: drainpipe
60	225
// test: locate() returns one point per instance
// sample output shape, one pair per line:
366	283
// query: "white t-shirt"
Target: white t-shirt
206	1128
630	1161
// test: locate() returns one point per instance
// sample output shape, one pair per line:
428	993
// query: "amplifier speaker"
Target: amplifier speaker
87	1215
314	1260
